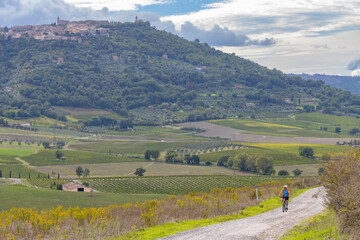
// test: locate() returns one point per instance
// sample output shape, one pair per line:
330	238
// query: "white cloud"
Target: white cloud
268	17
298	26
114	5
356	73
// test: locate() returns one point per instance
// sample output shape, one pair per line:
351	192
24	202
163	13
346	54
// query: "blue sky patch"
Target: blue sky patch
177	7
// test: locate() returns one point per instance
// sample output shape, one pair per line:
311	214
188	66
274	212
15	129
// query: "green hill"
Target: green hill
152	76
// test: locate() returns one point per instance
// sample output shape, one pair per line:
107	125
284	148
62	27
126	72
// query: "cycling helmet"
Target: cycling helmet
285	186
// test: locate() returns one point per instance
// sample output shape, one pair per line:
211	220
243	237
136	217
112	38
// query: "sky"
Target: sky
294	36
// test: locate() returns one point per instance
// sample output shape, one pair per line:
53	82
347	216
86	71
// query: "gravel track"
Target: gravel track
270	225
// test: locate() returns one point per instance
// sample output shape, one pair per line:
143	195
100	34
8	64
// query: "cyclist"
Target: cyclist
285	194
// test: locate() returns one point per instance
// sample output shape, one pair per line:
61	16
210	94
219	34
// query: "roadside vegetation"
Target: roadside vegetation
341	180
323	226
113	221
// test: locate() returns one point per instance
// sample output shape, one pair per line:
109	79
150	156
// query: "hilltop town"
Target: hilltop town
61	30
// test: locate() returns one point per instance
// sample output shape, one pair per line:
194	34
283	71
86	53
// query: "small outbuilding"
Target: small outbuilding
75	187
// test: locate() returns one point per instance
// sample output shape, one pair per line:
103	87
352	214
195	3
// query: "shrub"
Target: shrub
208	163
337	130
140	171
354	131
297	172
283	173
341	180
306	151
223	161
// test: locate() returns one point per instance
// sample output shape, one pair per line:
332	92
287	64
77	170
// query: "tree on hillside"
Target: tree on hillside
155	154
223	161
306	151
86	172
250	164
147	155
151	154
171	156
354	131
79	171
60	145
241	161
337	130
58	155
140	172
265	166
46	145
297	172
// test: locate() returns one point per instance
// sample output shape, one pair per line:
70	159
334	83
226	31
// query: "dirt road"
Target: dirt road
213	130
269	225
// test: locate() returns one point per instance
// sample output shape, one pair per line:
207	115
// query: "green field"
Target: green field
16	169
314	121
174	184
128	169
47	157
277	128
124	147
75	114
300	125
24	197
278	157
319	149
7	155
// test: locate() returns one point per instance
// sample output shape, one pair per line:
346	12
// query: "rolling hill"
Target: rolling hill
348	83
150	76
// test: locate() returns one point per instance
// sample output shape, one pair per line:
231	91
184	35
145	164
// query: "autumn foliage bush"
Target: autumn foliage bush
100	223
341	180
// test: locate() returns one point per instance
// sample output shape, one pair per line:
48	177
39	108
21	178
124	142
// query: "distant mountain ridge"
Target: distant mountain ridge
150	76
349	83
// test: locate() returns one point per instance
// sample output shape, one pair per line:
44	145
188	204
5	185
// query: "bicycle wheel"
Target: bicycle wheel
284	206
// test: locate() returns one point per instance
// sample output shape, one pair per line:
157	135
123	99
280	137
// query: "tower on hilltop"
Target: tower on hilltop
58	20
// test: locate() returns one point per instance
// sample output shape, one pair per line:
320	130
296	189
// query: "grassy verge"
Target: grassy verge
176	227
323	226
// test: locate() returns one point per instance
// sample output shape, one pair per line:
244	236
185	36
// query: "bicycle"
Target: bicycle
284	208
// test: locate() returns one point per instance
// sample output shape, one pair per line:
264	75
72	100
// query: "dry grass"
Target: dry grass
100	223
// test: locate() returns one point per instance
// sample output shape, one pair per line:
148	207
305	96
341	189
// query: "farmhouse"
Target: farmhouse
75	187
